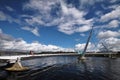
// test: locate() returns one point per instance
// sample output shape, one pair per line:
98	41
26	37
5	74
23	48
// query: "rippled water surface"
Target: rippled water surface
67	68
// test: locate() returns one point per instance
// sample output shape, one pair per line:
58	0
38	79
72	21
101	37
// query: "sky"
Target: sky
59	25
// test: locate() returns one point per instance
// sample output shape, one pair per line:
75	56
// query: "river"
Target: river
66	68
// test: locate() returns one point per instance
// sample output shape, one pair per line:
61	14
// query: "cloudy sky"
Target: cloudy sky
59	25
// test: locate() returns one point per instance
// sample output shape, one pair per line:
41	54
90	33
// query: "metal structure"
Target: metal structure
88	40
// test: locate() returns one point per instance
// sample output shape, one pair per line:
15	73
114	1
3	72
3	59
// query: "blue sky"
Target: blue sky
59	25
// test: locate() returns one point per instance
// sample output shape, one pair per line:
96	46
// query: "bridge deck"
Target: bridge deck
27	56
6	58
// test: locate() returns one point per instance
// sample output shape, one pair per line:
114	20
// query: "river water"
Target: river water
67	68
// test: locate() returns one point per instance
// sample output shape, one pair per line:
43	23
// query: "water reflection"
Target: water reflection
69	68
47	61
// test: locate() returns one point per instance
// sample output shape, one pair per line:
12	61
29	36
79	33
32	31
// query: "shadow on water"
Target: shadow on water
67	68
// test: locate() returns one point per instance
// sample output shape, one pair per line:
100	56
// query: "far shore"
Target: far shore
97	54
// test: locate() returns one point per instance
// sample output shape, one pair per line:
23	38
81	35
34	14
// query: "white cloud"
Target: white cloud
86	3
81	47
73	20
34	20
99	13
111	15
38	5
0	30
113	6
67	28
9	43
9	8
71	11
112	44
70	28
69	19
5	36
113	24
3	17
82	34
108	34
6	17
113	1
84	28
35	30
43	13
